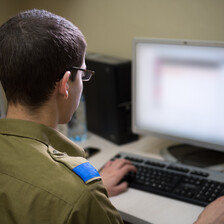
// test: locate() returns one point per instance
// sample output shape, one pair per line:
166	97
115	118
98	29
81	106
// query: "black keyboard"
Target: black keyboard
176	181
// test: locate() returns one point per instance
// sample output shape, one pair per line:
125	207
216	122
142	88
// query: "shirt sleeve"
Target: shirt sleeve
94	207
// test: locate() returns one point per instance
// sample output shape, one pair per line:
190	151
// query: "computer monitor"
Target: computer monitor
178	91
3	103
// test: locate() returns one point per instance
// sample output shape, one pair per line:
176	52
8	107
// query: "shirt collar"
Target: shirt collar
41	133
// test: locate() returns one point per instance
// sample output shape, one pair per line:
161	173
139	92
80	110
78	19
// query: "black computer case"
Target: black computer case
108	98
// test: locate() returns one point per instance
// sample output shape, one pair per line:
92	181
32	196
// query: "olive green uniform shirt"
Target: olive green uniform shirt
37	183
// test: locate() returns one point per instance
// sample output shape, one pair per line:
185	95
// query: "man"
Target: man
44	177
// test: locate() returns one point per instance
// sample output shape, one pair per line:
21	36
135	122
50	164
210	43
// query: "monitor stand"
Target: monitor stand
194	156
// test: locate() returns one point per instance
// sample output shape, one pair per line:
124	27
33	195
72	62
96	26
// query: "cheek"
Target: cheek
77	94
79	89
78	83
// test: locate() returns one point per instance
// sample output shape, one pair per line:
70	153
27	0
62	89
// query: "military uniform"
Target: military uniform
39	183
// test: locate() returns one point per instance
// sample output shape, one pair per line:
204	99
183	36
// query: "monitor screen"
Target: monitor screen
178	90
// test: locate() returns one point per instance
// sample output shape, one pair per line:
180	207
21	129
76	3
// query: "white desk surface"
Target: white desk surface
136	206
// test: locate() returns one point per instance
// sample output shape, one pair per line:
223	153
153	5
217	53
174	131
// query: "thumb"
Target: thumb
118	189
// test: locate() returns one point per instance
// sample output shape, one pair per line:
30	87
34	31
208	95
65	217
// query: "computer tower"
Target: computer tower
108	98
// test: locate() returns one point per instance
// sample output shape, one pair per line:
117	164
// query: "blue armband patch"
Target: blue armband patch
86	171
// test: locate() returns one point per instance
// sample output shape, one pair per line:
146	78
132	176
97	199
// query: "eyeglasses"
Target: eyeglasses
86	74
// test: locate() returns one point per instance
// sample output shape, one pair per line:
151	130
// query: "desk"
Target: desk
136	206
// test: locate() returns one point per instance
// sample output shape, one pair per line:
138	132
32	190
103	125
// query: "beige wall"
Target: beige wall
109	26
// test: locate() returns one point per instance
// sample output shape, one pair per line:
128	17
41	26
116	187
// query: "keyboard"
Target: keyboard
181	182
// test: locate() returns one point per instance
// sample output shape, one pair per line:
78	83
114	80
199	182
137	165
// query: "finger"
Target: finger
118	163
128	168
124	170
122	187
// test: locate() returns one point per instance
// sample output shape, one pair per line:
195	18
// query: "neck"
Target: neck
44	115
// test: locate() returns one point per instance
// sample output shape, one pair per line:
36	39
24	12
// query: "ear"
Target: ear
64	86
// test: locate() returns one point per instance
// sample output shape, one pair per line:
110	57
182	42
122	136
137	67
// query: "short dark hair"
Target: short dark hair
36	47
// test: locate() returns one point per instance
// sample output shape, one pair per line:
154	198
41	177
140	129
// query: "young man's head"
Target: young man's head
36	48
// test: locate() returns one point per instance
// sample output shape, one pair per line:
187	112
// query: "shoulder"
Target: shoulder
79	165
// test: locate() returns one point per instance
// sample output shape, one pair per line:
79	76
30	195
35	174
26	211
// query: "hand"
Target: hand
213	213
113	172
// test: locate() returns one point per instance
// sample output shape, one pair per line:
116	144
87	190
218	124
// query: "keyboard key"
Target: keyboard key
180	169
